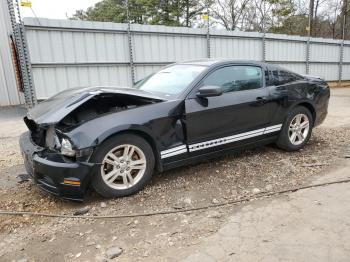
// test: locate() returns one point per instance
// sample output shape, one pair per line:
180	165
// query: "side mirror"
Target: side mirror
207	91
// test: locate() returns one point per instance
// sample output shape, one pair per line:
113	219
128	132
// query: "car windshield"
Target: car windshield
170	81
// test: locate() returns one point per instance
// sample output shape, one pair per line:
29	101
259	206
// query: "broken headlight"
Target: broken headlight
66	148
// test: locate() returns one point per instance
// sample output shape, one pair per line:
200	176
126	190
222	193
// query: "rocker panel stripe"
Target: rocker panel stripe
219	141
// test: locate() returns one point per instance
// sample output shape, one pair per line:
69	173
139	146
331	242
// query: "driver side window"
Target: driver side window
235	78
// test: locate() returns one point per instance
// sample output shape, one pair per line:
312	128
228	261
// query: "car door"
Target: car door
239	114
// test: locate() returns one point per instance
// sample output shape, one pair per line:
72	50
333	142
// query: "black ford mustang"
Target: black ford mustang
114	138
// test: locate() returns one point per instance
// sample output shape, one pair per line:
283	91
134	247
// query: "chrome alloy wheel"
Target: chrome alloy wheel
123	166
299	129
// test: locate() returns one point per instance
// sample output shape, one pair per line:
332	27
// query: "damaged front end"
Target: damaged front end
51	169
56	163
53	172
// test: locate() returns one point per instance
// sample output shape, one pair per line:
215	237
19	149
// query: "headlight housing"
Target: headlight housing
66	148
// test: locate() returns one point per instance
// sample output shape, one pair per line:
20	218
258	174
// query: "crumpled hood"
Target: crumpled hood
54	109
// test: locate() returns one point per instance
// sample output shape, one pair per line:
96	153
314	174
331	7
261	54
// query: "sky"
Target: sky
57	9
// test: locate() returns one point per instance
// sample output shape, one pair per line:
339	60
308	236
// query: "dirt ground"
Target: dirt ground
230	177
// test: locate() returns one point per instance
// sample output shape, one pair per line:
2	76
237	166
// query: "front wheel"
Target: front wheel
296	130
127	163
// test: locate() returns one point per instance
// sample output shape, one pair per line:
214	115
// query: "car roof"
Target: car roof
211	62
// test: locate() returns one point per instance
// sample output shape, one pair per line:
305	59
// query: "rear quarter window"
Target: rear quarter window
282	77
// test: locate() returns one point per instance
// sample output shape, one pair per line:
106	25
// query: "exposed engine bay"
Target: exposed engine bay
48	136
103	104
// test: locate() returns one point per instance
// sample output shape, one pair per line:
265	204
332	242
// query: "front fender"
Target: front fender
158	122
84	138
124	128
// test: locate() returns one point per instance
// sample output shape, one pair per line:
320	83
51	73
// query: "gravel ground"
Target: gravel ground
229	177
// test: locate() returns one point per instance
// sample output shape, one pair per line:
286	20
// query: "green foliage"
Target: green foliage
276	16
159	12
282	9
112	11
295	24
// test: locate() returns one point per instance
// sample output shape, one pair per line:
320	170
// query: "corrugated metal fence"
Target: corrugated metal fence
67	53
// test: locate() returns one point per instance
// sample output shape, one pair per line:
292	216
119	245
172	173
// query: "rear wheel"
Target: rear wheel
296	130
127	163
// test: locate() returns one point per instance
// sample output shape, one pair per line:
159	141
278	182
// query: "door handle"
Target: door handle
261	99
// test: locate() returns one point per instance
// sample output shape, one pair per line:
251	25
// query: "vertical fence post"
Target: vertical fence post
27	62
22	53
130	45
28	65
131	55
307	57
341	60
263	39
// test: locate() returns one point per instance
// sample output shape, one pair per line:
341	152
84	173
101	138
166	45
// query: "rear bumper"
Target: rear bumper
51	171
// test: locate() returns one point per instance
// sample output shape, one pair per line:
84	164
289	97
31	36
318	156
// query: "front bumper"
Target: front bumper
51	171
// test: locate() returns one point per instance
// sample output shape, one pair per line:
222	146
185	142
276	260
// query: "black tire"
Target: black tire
283	141
98	183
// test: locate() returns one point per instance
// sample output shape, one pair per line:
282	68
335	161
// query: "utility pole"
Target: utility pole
311	17
205	17
344	22
345	11
188	13
310	30
208	32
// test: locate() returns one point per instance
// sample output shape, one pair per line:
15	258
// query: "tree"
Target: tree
276	16
105	11
229	13
293	25
175	12
281	11
252	15
193	9
330	25
160	12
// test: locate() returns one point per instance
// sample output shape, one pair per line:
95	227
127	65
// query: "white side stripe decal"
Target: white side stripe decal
272	129
173	151
220	141
225	140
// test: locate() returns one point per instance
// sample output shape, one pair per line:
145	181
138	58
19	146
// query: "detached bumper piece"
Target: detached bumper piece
55	173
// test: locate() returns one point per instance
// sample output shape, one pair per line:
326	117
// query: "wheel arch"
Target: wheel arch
283	141
147	137
310	107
